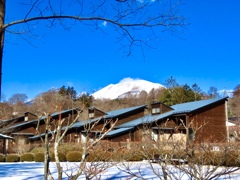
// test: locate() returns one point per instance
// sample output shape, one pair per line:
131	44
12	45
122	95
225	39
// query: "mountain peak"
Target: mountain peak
124	87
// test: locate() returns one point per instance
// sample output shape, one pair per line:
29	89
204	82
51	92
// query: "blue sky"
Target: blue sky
207	52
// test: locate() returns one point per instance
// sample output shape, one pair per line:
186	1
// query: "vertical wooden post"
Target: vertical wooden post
187	132
4	147
226	116
128	143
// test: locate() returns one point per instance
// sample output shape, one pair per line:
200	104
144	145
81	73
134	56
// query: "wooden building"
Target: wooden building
197	121
99	122
23	128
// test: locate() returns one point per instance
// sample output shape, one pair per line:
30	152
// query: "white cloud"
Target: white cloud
128	79
143	1
104	23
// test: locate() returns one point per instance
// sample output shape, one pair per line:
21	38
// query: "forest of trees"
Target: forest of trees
68	97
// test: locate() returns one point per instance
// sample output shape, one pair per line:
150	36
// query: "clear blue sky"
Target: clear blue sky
206	53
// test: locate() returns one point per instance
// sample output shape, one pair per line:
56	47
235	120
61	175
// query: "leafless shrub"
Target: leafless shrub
180	158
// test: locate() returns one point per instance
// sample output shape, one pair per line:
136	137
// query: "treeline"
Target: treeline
67	97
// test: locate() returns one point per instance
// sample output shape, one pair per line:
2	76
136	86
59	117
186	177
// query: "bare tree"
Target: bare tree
45	105
6	110
128	18
46	143
55	129
180	160
93	169
234	103
46	100
18	98
213	92
53	134
18	103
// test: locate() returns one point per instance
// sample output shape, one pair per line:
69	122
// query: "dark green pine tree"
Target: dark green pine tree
69	92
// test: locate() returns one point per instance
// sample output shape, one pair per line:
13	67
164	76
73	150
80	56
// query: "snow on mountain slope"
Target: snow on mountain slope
125	86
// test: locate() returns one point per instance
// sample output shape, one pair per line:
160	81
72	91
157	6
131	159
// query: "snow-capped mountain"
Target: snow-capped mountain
124	87
225	92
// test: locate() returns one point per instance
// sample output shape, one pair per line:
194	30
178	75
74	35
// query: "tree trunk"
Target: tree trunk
56	145
47	173
2	17
59	167
46	154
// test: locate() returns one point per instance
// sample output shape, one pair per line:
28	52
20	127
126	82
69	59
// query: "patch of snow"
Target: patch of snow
225	92
124	87
141	170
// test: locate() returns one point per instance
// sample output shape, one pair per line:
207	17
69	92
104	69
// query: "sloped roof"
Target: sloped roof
12	119
19	125
192	106
36	120
2	136
110	114
6	122
144	120
94	108
177	109
82	123
41	135
118	112
118	131
230	124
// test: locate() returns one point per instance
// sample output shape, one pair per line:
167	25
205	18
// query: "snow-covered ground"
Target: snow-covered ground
34	171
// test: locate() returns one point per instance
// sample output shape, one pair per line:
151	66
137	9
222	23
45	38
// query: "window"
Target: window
26	118
155	110
91	115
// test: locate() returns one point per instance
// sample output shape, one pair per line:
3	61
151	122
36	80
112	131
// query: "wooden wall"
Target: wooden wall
213	120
